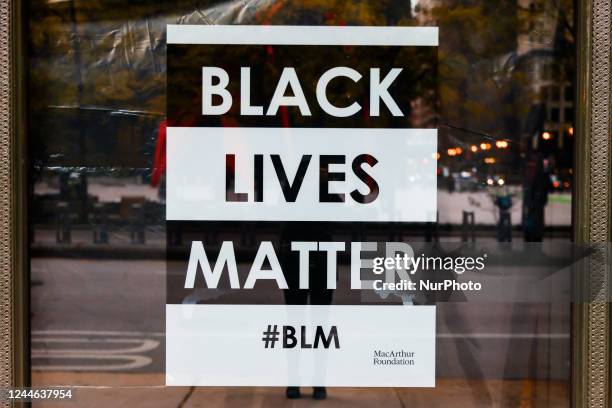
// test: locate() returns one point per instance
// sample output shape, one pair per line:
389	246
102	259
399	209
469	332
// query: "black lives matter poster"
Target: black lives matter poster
294	153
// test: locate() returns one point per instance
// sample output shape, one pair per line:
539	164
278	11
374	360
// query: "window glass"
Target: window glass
499	93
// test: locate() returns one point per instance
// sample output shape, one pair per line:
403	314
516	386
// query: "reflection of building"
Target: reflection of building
506	90
549	125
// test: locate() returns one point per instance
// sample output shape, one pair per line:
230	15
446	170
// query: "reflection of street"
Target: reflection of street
448	393
108	315
83	350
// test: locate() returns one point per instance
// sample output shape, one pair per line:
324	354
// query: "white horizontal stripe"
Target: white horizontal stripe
302	35
196	183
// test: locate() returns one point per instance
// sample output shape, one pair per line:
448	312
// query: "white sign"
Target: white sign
277	345
283	124
304	174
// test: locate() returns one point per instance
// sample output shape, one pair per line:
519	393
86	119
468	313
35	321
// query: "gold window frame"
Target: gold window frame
591	329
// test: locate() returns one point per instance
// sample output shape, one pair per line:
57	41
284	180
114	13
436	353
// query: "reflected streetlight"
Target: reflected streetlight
501	144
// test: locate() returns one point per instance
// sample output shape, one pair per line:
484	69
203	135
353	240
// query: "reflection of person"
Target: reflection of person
158	169
503	201
535	196
317	292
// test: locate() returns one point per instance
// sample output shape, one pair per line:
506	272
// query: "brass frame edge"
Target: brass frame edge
14	285
6	281
592	208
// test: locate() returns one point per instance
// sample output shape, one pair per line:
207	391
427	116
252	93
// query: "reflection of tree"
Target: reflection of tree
337	12
123	63
473	38
480	83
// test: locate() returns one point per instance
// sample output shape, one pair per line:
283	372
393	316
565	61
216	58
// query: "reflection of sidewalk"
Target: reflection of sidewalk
120	244
145	390
558	211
